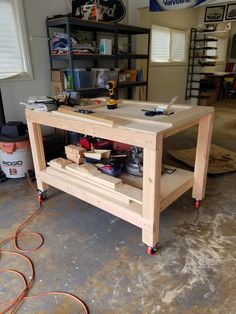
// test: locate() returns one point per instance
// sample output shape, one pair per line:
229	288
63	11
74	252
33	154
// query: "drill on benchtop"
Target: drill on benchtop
111	102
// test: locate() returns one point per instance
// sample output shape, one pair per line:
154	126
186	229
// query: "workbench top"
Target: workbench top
126	122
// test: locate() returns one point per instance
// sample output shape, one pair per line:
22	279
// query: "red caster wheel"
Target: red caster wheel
42	196
152	250
197	204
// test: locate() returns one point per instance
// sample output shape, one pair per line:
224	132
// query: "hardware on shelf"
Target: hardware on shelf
73	57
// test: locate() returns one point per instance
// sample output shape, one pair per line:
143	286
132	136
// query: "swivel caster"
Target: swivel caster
152	250
197	203
42	196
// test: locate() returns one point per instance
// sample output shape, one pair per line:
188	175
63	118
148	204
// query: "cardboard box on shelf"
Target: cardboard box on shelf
122	77
131	75
57	88
211	95
57	76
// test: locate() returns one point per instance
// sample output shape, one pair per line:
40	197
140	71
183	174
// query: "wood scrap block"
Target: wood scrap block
90	169
75	160
59	162
98	154
99	177
73	149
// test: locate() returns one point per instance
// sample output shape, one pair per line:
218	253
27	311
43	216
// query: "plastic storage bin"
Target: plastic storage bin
106	74
83	78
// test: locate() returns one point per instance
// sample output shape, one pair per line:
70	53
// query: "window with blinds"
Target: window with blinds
14	50
167	45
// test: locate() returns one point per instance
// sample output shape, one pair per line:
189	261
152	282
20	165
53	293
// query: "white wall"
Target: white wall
134	5
167	81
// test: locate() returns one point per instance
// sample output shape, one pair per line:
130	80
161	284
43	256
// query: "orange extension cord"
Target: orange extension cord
13	305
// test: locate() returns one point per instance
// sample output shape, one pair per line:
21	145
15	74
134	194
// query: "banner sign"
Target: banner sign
111	10
165	5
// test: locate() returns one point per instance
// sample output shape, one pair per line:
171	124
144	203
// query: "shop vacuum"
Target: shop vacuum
15	153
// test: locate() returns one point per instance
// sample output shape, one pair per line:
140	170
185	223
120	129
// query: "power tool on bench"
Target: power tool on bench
111	102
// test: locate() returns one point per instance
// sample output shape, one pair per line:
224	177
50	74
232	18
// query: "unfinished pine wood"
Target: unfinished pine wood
174	185
124	192
152	165
60	162
92	116
138	134
104	179
202	156
87	184
76	150
132	110
98	154
36	144
131	213
112	195
89	169
77	161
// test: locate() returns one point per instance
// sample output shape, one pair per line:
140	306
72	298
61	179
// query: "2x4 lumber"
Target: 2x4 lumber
152	166
104	179
186	119
88	185
111	121
131	213
131	133
73	149
60	162
202	156
36	144
124	191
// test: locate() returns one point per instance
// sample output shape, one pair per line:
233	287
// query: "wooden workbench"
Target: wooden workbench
128	124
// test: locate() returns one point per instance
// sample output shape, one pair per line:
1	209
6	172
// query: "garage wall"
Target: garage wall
134	5
166	81
15	91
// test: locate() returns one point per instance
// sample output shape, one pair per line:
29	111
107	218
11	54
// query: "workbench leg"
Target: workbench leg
202	156
36	143
152	192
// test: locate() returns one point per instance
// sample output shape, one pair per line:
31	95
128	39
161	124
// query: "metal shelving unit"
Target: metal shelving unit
68	24
196	82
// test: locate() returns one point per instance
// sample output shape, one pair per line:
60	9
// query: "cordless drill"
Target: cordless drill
111	102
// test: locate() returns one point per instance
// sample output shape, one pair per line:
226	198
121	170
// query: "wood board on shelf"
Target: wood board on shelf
89	175
95	174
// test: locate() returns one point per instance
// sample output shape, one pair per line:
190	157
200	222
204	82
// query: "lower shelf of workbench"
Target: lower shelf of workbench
172	186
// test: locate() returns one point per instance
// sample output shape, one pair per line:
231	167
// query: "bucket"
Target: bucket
15	158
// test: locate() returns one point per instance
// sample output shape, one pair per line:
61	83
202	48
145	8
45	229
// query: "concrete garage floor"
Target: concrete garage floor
101	258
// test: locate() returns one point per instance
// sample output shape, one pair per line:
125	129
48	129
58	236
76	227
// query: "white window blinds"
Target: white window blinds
177	45
14	57
167	45
160	49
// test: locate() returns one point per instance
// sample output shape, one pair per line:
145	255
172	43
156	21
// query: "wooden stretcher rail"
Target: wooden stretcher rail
131	212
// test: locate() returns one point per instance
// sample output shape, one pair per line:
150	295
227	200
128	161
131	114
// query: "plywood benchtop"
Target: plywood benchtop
126	124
